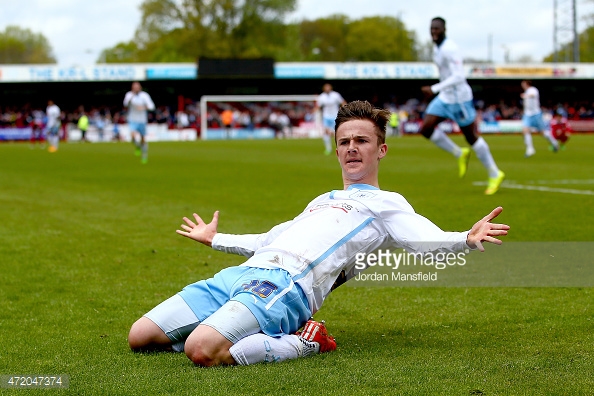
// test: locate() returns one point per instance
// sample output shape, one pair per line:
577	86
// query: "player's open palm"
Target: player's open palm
198	230
485	231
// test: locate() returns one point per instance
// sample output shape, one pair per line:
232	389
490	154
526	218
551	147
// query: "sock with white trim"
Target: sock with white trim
528	142
549	136
261	348
327	142
483	153
144	148
442	141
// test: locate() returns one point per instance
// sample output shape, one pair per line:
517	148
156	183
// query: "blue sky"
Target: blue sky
78	29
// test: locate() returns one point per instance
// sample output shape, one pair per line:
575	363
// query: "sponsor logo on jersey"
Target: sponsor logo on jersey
335	205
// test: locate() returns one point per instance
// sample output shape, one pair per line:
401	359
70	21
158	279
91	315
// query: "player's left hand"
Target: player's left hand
485	231
198	230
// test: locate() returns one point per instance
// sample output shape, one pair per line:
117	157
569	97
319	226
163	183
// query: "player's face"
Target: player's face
358	151
437	31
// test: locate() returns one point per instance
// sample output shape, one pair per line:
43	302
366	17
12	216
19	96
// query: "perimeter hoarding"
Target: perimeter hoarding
290	70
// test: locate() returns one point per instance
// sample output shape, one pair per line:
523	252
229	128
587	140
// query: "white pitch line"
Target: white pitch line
540	188
567	181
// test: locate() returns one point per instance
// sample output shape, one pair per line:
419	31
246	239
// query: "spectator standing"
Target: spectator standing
394	130
83	124
227	120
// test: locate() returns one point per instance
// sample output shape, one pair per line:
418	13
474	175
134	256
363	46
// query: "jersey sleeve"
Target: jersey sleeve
417	234
319	101
247	244
454	60
127	98
150	105
532	92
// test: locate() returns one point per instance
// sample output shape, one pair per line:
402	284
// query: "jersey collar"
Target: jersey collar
362	187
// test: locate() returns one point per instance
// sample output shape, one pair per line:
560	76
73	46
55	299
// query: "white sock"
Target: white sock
442	141
261	348
528	141
145	150
549	136
483	153
327	142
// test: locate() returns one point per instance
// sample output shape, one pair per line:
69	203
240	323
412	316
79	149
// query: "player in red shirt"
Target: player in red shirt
560	129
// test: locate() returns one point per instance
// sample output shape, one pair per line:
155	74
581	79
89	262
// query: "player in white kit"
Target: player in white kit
454	101
52	125
138	103
249	313
329	101
532	119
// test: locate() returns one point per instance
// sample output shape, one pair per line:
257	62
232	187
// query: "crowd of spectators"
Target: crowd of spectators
413	110
505	111
277	115
99	117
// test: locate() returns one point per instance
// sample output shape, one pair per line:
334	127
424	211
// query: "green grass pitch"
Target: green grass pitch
88	245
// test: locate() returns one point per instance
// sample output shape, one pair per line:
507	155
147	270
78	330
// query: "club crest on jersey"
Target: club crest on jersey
363	195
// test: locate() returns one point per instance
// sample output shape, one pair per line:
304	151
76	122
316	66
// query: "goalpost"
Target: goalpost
205	99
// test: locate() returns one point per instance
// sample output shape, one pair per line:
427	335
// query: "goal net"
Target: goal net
259	117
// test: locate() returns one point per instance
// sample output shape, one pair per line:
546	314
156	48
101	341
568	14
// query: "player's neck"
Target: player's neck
348	183
440	41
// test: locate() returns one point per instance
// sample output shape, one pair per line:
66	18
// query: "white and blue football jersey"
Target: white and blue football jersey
324	240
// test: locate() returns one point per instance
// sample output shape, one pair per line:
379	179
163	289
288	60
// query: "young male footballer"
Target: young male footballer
532	119
454	101
252	313
138	103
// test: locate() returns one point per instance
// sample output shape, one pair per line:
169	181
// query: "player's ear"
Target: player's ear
382	150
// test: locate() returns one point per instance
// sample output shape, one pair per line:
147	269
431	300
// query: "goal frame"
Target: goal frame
245	98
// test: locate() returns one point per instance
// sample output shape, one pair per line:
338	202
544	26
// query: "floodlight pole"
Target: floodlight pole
576	38
564	23
555	44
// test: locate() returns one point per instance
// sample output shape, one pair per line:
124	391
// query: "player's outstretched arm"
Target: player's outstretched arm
199	230
427	91
485	231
